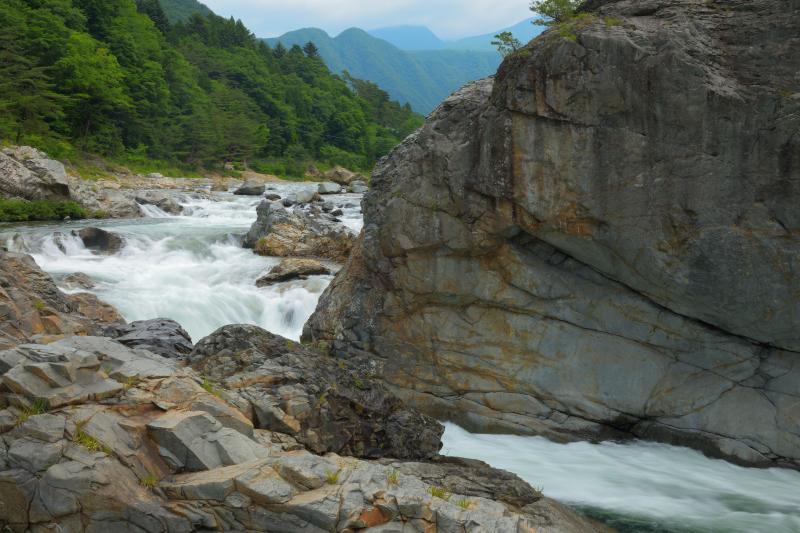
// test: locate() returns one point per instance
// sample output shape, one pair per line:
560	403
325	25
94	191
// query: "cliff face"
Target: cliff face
602	242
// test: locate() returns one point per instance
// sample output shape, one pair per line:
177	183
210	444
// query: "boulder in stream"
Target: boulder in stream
100	240
250	188
292	268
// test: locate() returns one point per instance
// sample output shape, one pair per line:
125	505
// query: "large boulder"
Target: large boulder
96	436
328	405
32	308
162	336
600	243
164	201
342	176
99	240
292	268
251	188
27	173
105	199
282	233
329	187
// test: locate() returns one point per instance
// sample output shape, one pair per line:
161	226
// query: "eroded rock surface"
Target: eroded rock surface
161	336
95	436
601	242
30	174
32	308
292	268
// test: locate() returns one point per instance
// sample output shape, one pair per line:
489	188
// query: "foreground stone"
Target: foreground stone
292	268
282	233
30	174
327	405
33	309
132	442
161	336
599	244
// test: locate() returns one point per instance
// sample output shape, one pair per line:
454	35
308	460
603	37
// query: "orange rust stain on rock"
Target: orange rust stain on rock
373	517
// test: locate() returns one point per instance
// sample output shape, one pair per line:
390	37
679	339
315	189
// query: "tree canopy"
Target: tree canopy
115	77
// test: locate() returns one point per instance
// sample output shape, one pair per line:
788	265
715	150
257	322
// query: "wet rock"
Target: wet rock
104	199
161	336
272	197
281	233
597	244
251	188
299	197
100	240
27	173
329	187
90	306
160	199
358	187
298	391
78	280
291	269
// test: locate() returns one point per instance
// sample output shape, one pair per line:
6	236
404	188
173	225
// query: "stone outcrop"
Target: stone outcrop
297	233
292	268
29	174
600	243
161	199
251	188
329	187
342	176
327	405
33	309
95	436
161	336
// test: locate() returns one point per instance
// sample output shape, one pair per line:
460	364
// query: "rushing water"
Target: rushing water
192	268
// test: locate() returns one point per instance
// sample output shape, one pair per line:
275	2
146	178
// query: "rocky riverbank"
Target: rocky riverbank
599	243
244	431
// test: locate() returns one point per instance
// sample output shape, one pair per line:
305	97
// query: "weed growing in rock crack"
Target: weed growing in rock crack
440	492
341	364
209	387
81	438
332	477
150	481
38	407
464	503
322	347
393	477
612	21
359	383
39	305
290	345
129	382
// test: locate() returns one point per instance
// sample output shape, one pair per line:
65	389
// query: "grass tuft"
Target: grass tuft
150	481
393	477
38	407
440	492
210	387
464	503
332	477
81	438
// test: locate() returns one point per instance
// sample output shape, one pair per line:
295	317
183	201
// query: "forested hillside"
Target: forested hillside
182	10
114	77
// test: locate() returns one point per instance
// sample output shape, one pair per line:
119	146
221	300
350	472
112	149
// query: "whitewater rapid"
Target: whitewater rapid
192	268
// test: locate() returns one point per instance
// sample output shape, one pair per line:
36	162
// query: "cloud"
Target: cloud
450	19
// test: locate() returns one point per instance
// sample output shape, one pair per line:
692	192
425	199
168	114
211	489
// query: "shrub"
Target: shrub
31	210
555	11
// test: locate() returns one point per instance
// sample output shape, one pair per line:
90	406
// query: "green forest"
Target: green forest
116	78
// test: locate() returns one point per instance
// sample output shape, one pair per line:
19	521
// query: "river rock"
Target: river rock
100	240
27	173
33	308
272	197
160	199
251	188
296	390
358	187
342	176
292	268
282	233
300	197
104	199
161	336
598	243
135	443
329	187
78	280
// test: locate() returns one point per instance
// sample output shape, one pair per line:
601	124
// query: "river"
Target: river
192	268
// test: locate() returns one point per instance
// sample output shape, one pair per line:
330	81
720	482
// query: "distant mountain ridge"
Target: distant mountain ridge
410	38
422	78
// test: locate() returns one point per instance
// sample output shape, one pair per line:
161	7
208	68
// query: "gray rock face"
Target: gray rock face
328	405
29	174
358	187
296	233
601	242
291	269
251	188
160	199
161	336
329	187
342	176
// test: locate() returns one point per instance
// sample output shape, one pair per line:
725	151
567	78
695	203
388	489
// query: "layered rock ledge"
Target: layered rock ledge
602	242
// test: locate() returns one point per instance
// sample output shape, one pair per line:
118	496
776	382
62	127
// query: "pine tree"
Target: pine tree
311	50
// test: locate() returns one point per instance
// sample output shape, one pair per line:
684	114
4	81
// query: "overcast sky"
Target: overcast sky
450	19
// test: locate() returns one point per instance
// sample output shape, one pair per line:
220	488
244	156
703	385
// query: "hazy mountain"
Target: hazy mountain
524	31
423	78
180	10
409	37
